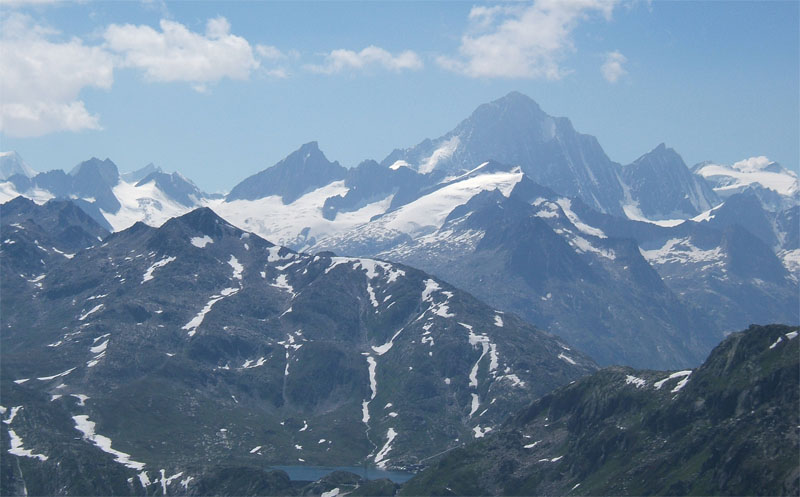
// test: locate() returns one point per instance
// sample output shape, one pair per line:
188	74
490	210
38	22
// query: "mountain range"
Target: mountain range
585	247
446	309
197	344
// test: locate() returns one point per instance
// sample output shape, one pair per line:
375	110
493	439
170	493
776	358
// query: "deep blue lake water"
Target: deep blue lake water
313	473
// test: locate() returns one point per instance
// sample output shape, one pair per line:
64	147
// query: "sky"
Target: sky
222	90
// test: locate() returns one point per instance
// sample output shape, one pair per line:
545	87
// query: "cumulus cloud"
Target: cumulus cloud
612	67
753	164
42	78
522	41
42	75
177	54
276	56
372	56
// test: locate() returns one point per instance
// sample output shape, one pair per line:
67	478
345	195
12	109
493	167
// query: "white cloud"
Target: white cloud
42	79
177	54
275	56
372	56
753	164
41	76
522	41
612	68
269	52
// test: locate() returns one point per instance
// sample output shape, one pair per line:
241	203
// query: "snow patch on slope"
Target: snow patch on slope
678	374
85	426
583	245
90	312
681	251
633	213
444	152
195	322
201	241
566	206
18	450
566	358
233	262
633	380
282	283
382	349
791	260
380	457
148	275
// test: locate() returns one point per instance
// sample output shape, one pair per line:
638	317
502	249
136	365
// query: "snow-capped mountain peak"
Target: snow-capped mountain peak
302	171
11	163
757	172
515	130
140	174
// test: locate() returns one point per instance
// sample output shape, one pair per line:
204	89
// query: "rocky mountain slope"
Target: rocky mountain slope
527	250
37	238
729	427
658	185
164	354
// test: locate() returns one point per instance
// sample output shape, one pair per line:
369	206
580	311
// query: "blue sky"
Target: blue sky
222	90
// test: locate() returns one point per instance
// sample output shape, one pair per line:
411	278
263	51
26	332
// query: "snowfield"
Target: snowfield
753	171
283	224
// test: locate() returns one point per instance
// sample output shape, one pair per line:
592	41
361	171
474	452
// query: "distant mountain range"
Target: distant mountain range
512	130
115	201
523	211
